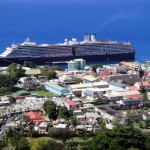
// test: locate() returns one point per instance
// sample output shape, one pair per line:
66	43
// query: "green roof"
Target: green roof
118	84
54	86
90	78
33	72
20	93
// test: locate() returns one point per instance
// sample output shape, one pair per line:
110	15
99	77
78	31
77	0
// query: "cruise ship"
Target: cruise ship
90	49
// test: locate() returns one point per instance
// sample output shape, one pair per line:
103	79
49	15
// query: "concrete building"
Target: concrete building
77	88
76	64
56	89
89	79
128	79
93	93
112	69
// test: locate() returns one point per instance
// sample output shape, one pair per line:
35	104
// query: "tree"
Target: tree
44	143
95	66
74	120
23	144
99	101
50	109
121	138
64	113
51	75
147	123
55	68
29	64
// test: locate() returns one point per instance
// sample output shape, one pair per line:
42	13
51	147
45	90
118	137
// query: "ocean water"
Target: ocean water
52	21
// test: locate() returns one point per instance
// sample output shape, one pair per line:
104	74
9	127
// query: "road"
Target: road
3	126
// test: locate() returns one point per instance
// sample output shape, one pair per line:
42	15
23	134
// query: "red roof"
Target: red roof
145	83
101	76
133	96
115	74
133	88
34	116
94	73
105	73
49	71
71	103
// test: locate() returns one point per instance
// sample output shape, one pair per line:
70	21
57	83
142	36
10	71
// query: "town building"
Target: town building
34	116
77	88
56	89
76	64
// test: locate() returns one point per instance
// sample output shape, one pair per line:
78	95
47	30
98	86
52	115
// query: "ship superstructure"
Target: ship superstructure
102	50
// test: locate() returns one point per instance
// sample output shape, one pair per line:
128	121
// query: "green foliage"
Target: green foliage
29	64
64	112
23	144
50	109
15	70
147	123
53	68
51	75
9	80
44	144
121	138
61	134
99	101
95	66
74	120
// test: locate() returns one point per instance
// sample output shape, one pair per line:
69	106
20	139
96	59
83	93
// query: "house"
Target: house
135	117
89	79
92	115
145	84
132	88
109	114
77	112
93	93
61	126
42	128
56	89
70	104
107	68
29	80
146	116
34	116
129	79
21	94
117	86
133	96
128	103
33	72
67	79
119	95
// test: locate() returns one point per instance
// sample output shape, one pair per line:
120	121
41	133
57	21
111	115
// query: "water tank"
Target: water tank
93	37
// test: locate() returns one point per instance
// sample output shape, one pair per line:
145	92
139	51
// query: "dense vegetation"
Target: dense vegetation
95	66
54	111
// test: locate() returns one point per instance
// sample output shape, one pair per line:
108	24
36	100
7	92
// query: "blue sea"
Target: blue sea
52	21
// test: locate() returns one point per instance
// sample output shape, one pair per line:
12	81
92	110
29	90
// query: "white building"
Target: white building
112	69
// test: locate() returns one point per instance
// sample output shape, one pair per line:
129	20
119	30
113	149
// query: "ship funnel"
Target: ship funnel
86	37
93	37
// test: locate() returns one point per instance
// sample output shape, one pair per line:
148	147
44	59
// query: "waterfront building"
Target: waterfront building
76	64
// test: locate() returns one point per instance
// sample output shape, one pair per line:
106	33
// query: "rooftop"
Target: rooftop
71	103
33	72
55	86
